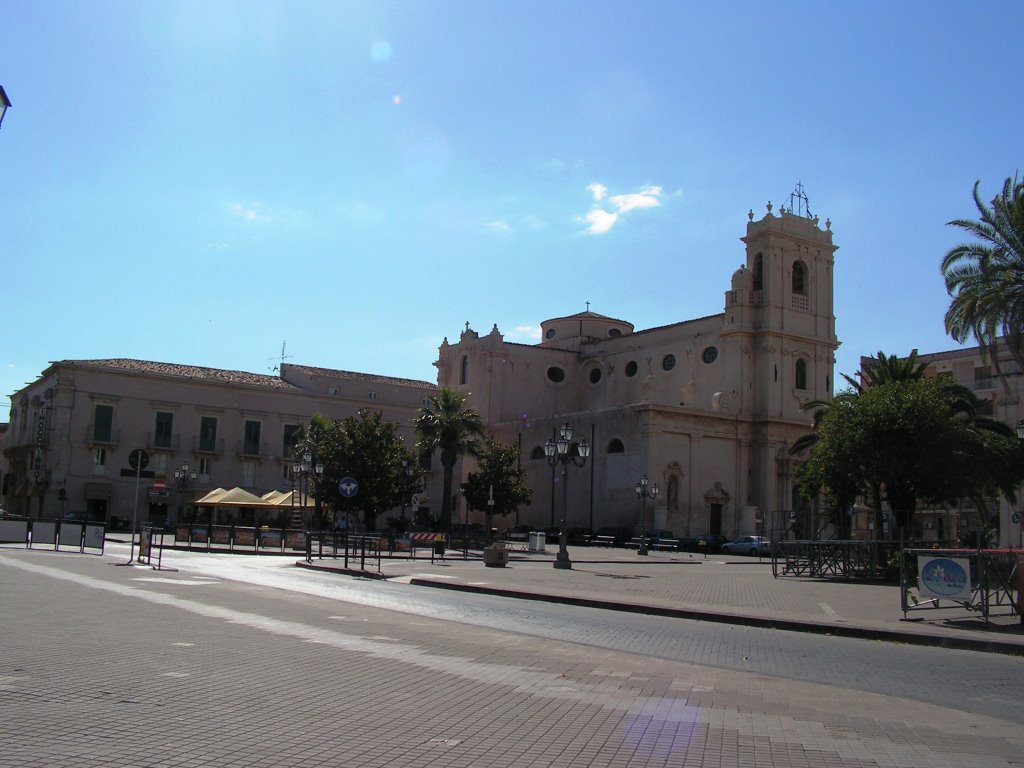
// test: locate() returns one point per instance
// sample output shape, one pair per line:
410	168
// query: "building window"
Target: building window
801	374
251	442
162	431
464	370
99	461
291	438
103	424
204	467
595	375
207	433
615	446
709	355
249	473
631	368
371	395
332	390
799	278
550	334
668	362
556	374
759	272
613	332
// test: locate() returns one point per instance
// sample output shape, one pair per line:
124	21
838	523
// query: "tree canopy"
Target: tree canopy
908	440
497	473
368	448
448	426
985	276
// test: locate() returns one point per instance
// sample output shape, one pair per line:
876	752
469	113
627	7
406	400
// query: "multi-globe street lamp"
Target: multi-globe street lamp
183	480
562	452
303	470
644	491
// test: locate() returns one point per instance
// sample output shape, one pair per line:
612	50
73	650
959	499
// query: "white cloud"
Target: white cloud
607	211
600	221
498	226
250	212
526	332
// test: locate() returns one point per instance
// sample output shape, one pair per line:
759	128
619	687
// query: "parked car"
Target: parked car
551	535
614	536
709	543
748	545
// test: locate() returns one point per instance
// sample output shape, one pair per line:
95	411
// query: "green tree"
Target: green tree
368	448
448	426
985	277
901	442
498	478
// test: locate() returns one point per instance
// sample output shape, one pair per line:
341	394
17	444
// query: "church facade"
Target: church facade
706	408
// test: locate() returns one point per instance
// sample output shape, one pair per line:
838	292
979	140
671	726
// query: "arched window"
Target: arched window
615	446
799	278
759	272
801	374
464	371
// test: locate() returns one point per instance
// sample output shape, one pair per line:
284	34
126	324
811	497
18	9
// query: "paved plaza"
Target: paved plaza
110	665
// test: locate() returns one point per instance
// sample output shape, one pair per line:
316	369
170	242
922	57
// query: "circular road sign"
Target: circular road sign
348	487
138	459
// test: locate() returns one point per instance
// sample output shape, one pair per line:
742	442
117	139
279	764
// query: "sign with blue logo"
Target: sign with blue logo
944	577
348	487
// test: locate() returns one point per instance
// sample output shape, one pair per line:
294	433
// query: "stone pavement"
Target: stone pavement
713	588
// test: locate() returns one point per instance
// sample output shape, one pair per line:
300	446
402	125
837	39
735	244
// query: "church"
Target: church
705	408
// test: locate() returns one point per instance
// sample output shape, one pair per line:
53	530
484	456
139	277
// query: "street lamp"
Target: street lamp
560	452
4	103
183	480
643	492
303	471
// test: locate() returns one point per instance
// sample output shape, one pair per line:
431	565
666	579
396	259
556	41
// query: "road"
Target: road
247	661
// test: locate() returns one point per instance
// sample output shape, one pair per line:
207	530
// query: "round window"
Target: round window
613	332
551	333
709	355
595	375
556	374
631	368
668	362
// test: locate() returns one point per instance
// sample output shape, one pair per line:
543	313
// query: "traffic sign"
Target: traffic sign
348	487
138	459
1016	517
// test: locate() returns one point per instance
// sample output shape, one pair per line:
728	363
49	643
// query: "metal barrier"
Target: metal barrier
988	581
221	538
341	544
846	559
79	534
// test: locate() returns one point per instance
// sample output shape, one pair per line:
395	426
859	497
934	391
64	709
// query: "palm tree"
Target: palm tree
446	424
985	277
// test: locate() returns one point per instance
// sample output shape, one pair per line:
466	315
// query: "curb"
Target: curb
790	625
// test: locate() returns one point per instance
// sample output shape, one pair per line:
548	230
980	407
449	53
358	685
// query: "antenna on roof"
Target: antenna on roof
798	205
277	368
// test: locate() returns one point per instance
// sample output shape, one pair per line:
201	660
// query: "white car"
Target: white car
748	545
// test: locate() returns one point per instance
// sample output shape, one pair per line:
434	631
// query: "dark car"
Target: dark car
551	535
709	543
612	537
661	539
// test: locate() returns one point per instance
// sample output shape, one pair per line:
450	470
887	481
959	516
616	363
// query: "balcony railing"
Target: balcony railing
245	448
156	442
106	437
207	445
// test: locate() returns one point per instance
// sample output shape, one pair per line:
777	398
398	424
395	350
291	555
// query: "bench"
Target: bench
604	541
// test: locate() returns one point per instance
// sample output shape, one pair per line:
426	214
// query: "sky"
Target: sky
345	184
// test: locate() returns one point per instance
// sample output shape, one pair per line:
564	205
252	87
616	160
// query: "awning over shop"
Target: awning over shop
98	491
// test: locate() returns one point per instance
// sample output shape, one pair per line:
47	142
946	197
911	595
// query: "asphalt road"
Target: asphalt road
982	683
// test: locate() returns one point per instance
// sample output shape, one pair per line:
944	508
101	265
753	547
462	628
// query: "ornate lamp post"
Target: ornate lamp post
303	472
561	452
643	492
183	480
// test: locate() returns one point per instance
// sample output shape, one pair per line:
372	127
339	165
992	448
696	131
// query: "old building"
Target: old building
72	431
706	408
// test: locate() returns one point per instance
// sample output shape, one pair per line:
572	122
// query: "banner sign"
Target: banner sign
944	577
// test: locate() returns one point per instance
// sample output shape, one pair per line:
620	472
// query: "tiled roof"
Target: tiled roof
374	377
185	371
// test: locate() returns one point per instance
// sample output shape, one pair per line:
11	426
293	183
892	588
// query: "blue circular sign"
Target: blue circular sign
348	487
943	576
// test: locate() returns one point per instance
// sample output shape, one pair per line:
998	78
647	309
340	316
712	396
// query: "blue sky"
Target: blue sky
201	182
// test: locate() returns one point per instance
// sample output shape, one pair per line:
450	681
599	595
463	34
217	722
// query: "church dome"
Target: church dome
742	279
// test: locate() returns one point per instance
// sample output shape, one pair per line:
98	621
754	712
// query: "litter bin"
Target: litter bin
536	543
439	547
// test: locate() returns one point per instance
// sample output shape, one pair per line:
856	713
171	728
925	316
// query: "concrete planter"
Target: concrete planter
495	557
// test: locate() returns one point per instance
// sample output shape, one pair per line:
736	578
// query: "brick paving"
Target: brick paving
116	666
